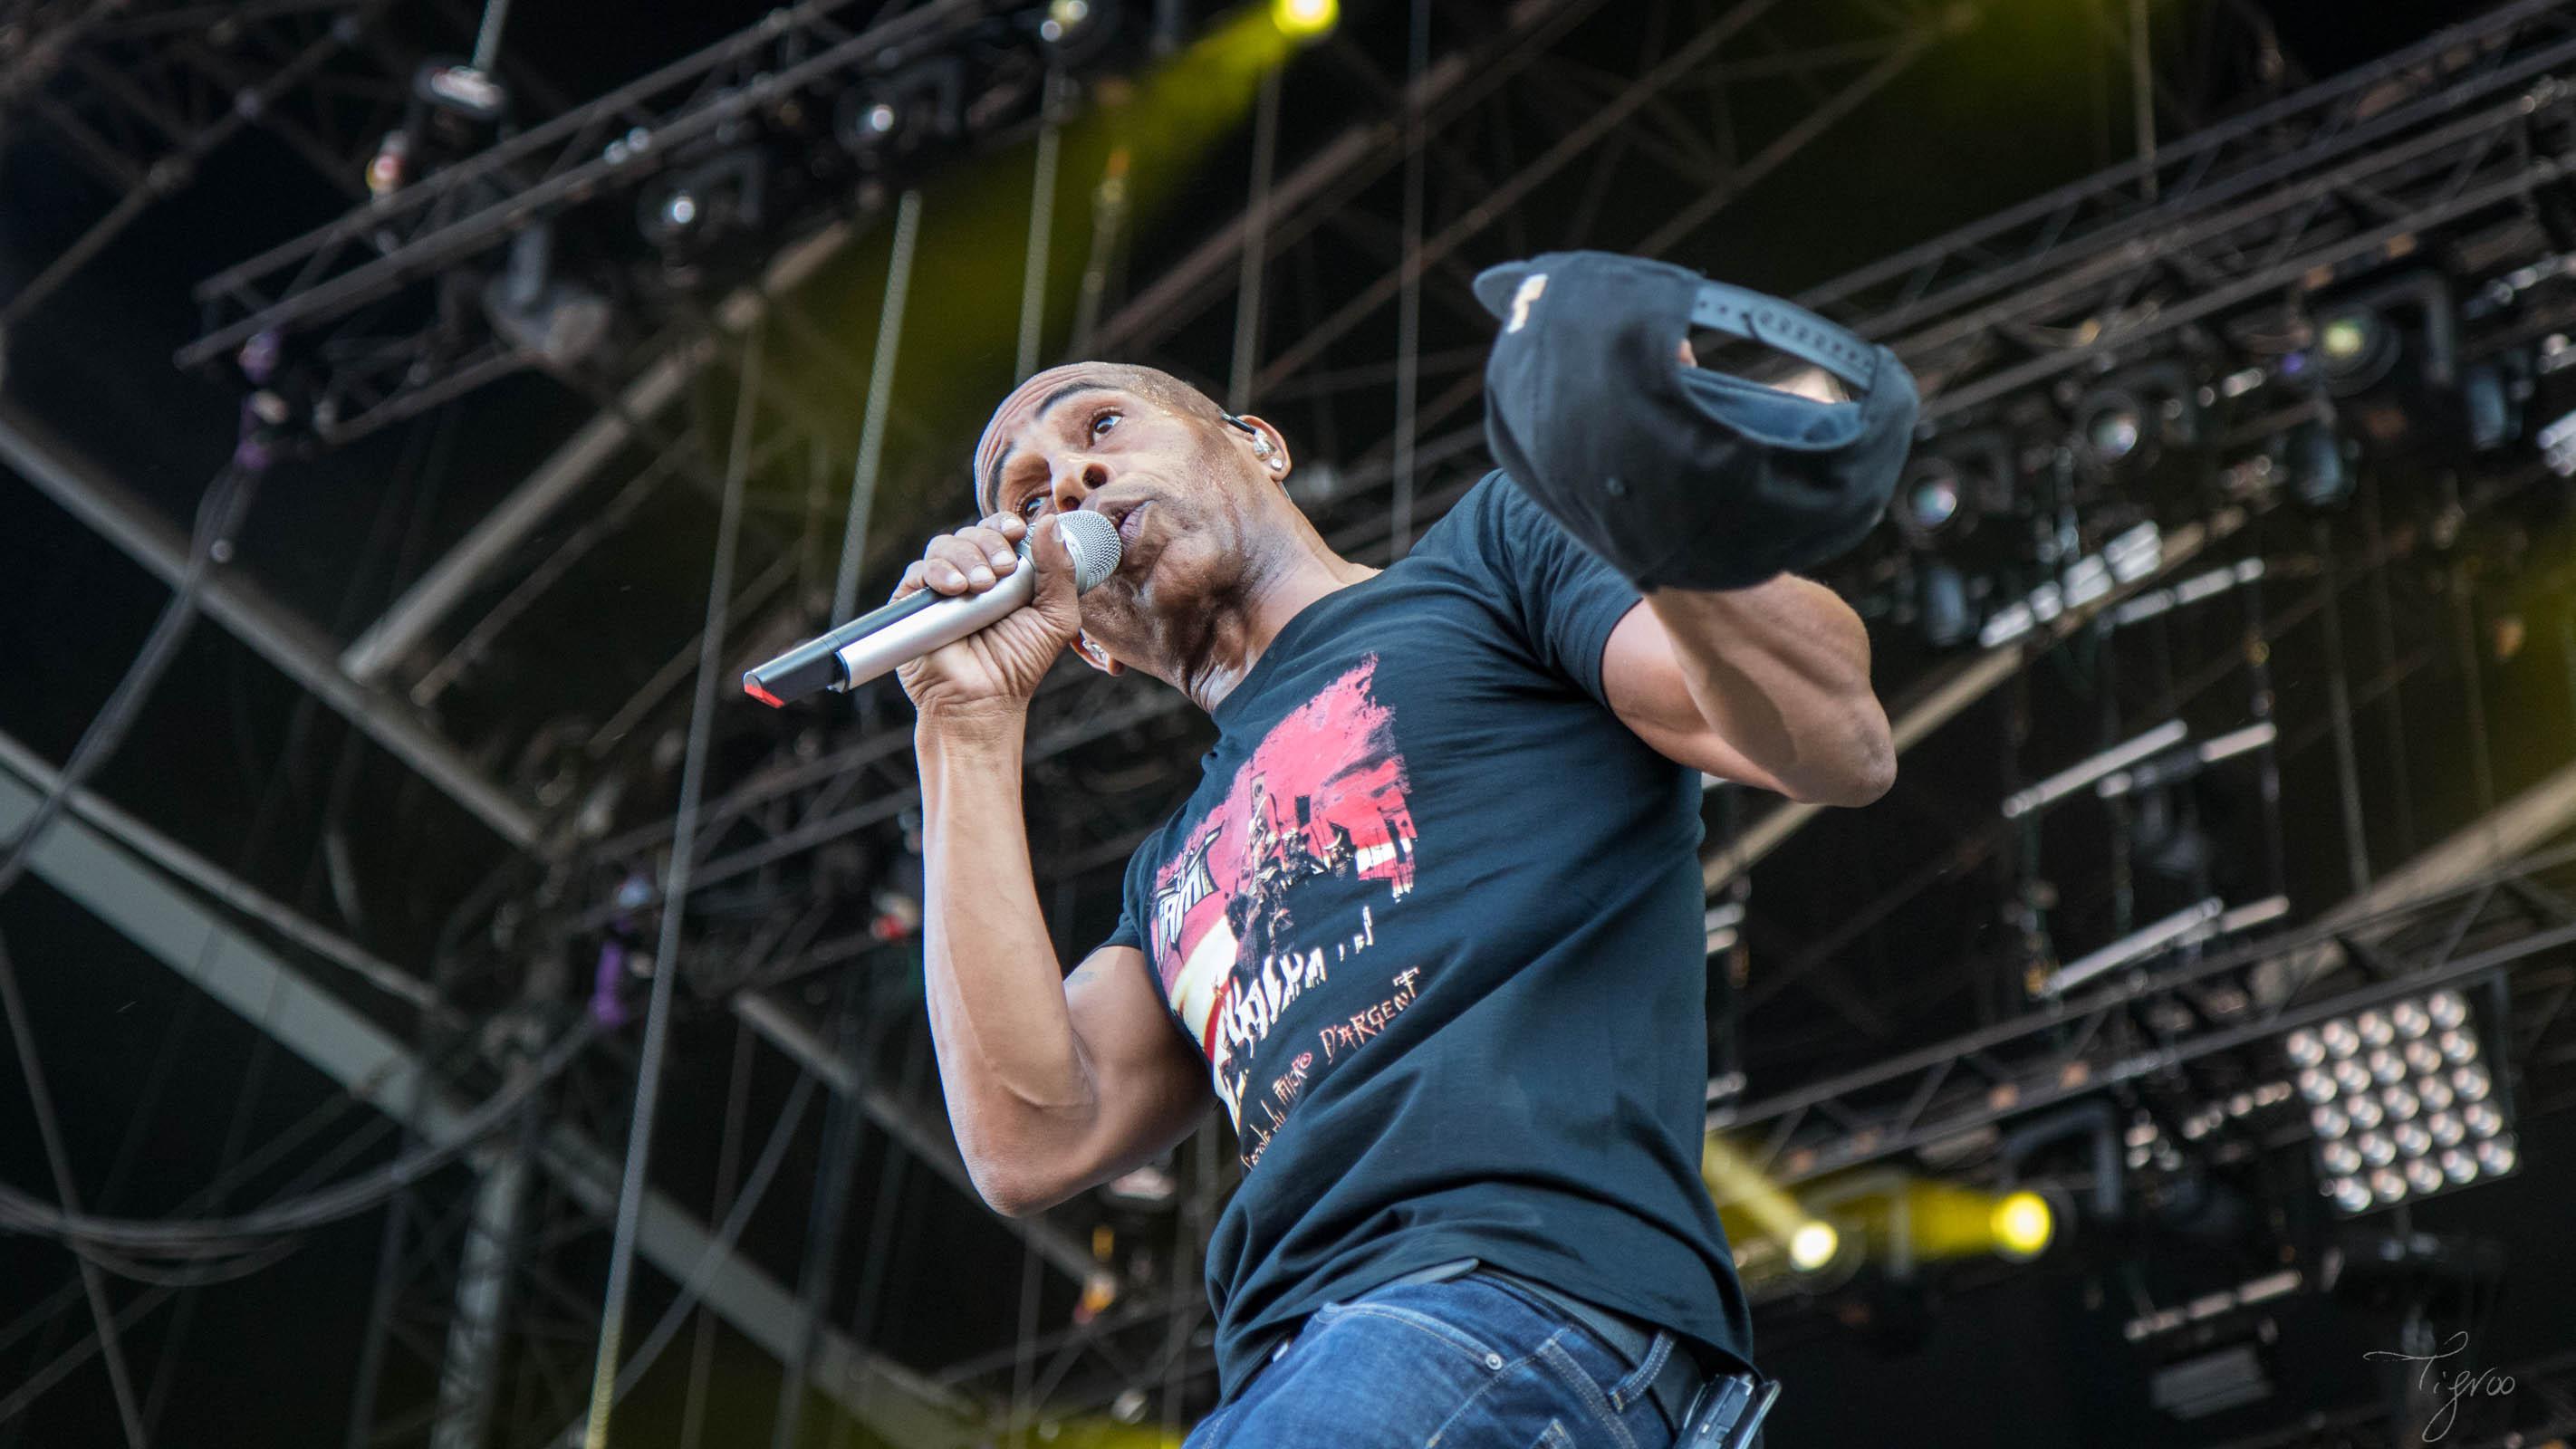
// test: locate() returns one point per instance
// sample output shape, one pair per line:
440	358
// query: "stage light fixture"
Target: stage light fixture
1947	488
539	313
1063	18
2493	394
2317	466
1305	19
2128	417
2358	347
2402	1102
2023	1225
1942	604
1814	1244
2114	429
1932	497
892	115
689	209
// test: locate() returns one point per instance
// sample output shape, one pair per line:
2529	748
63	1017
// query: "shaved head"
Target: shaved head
1035	395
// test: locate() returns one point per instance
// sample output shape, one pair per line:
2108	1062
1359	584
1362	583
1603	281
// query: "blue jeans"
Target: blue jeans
1466	1363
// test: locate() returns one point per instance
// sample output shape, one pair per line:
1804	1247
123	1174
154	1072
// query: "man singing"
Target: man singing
1430	927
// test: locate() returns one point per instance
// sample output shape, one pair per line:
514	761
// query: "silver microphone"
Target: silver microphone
925	620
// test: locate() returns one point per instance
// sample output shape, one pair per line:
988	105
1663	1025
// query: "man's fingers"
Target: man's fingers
955	565
997	551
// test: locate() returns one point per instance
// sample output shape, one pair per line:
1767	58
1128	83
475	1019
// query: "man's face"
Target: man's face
1174	483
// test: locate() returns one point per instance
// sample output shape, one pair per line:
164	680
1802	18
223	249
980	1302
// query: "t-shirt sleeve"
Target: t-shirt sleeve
1131	897
1125	935
1564	599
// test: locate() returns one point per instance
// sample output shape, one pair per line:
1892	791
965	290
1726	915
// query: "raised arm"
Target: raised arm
1767	685
1054	1083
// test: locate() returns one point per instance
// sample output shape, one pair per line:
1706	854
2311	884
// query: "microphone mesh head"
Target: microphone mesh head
1093	542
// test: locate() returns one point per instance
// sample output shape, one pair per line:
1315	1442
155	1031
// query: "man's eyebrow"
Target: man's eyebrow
993	473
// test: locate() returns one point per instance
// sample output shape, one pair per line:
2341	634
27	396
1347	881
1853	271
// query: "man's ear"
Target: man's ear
1269	448
1095	656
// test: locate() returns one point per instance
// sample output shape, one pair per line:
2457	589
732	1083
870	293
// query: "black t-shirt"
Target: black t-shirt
1434	918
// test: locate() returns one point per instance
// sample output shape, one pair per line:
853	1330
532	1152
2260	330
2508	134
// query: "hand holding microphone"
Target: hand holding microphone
979	618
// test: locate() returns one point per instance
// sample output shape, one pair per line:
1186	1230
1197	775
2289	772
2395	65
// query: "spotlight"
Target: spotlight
691	208
2023	1225
1075	32
1814	1244
2402	1102
2114	429
1945	489
2358	348
1305	19
461	90
893	115
1932	498
1063	18
2127	418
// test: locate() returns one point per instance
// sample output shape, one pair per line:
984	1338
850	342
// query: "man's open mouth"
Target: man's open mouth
1131	522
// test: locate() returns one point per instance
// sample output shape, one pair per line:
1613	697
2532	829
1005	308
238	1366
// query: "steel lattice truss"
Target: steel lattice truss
2463	121
141	93
2515	922
331	282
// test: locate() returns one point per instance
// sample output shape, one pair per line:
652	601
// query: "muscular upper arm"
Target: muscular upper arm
1150	1088
1643	678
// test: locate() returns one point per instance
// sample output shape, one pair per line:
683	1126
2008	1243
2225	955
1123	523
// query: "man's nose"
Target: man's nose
1077	480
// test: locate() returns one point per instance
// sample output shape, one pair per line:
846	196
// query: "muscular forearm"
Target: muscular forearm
1009	1058
1781	671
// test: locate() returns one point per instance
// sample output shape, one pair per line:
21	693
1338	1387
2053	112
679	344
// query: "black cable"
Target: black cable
218	514
694	1286
231	1236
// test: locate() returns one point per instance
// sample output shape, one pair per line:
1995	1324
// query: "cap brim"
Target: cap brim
1496	284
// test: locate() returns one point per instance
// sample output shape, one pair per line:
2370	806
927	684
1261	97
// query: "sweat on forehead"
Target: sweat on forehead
1029	396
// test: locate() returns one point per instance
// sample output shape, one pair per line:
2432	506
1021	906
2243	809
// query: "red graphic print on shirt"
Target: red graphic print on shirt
1321	799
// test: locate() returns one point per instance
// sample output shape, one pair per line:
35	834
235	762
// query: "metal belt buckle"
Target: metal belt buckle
1701	1420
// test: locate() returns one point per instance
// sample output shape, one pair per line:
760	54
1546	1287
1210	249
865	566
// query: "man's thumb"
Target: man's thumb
1056	592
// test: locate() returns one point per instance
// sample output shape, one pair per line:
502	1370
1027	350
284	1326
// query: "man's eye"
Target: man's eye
1103	423
1030	506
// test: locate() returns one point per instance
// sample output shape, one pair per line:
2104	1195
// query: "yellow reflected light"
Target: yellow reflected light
1304	19
1842	1218
2023	1225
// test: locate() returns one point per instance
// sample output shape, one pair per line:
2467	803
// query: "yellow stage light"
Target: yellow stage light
1304	19
2023	1225
1813	1245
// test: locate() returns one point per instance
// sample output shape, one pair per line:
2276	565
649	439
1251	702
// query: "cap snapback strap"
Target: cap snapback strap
1741	312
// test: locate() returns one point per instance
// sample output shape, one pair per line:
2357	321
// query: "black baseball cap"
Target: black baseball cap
1681	476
